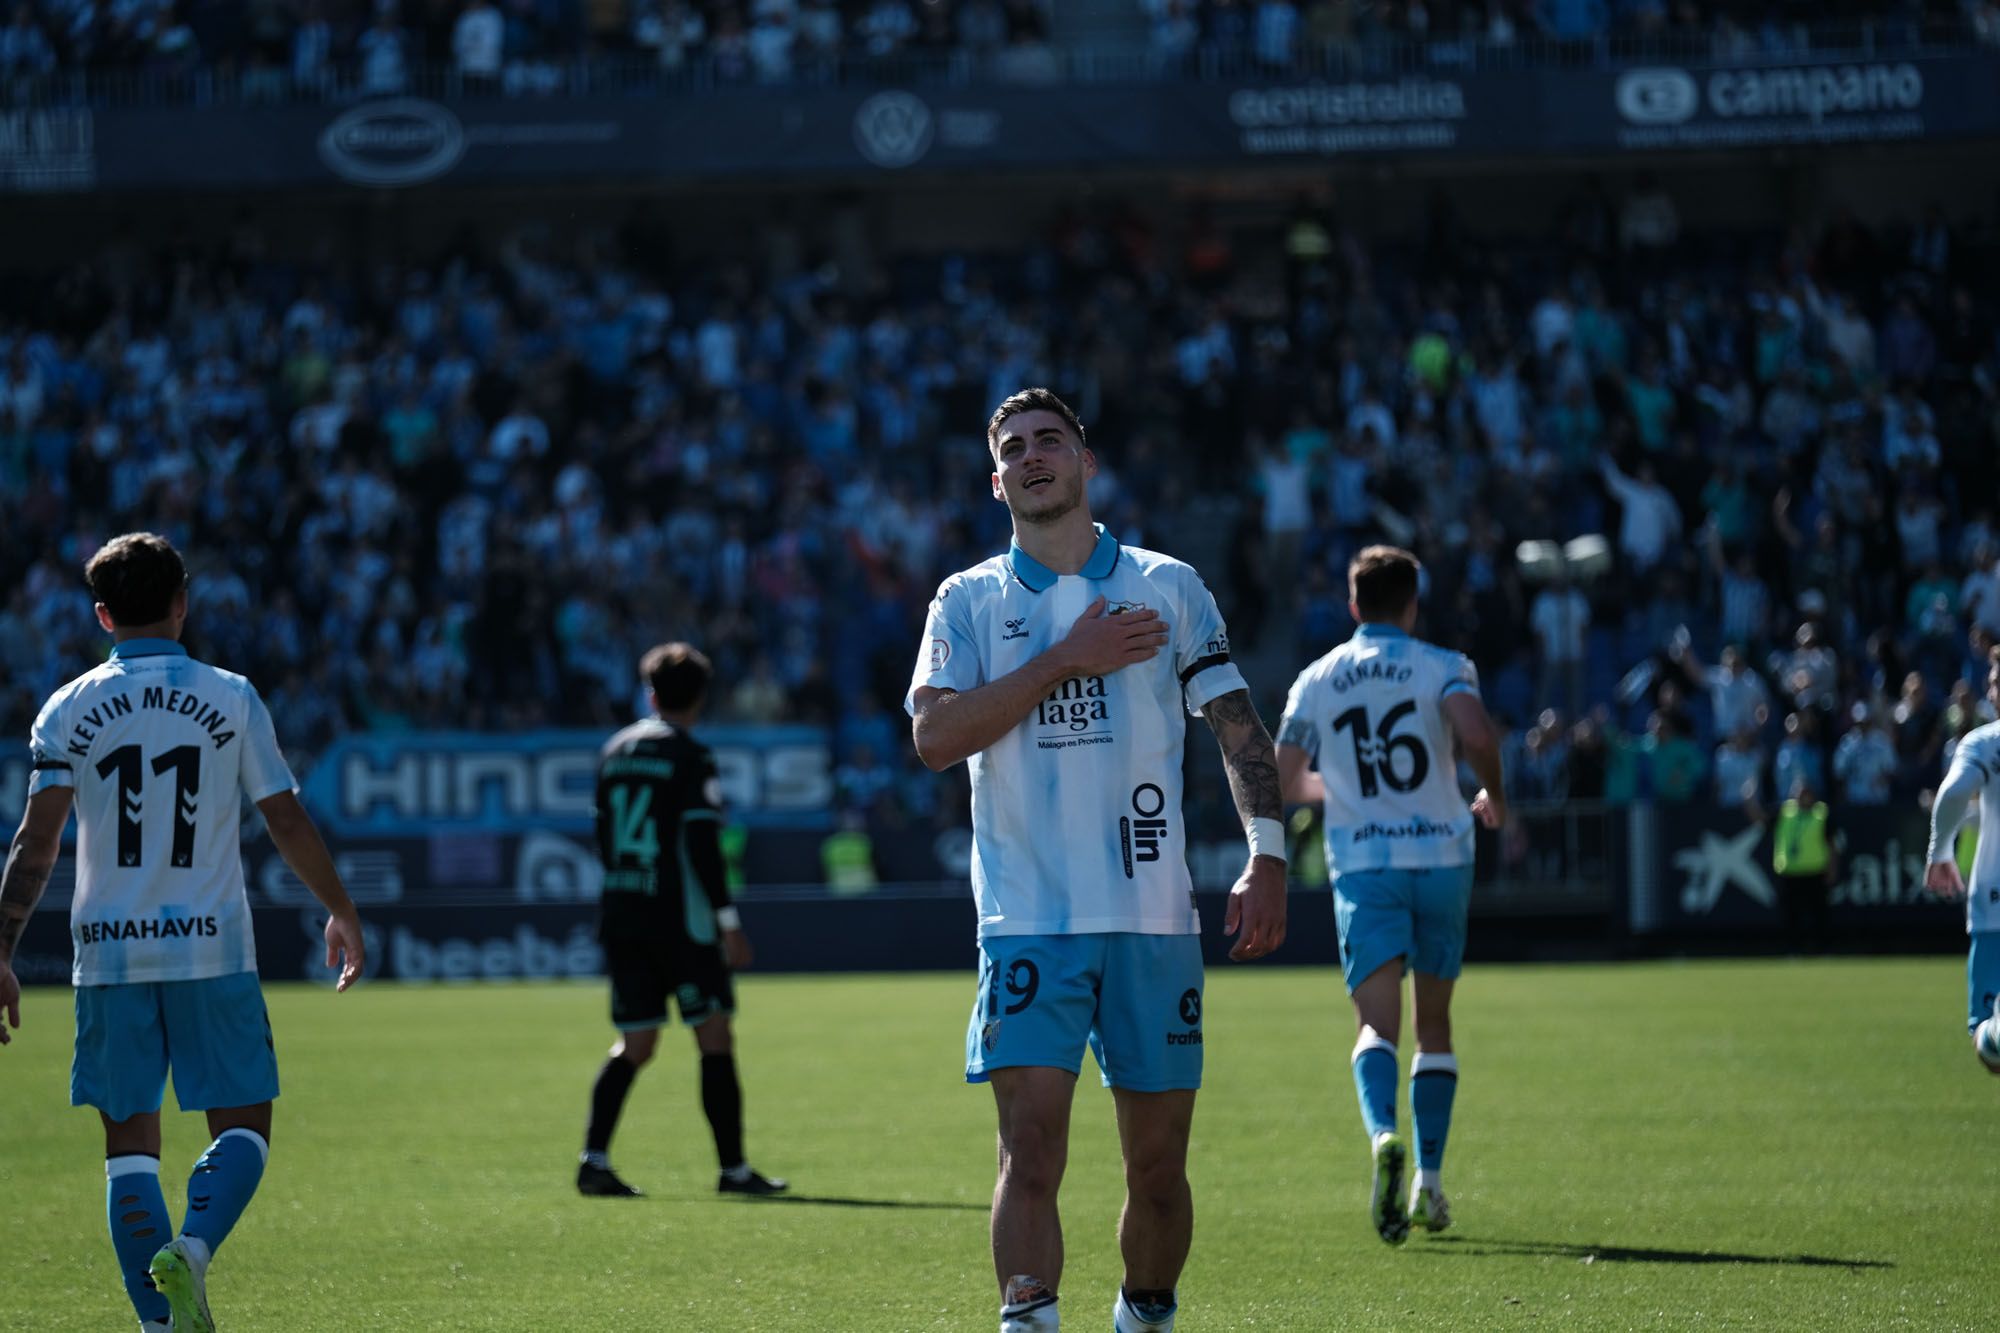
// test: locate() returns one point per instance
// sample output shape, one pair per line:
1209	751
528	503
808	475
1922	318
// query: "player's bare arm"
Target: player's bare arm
297	840
704	852
1479	742
30	861
949	726
1256	912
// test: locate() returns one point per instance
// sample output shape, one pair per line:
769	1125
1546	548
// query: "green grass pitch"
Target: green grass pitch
1791	1145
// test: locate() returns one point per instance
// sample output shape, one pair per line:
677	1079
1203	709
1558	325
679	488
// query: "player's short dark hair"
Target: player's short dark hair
678	674
136	576
1030	400
1382	582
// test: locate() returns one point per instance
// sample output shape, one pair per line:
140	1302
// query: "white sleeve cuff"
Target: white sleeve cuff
1211	683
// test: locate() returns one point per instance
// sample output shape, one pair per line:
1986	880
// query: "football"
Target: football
1986	1041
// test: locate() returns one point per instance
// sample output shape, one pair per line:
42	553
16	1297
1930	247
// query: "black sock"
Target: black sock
607	1099
722	1099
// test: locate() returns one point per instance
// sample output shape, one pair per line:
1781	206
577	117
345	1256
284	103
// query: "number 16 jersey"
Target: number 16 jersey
1370	715
160	749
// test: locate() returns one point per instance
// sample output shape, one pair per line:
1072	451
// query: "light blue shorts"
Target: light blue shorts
1415	915
213	1034
1134	999
1982	976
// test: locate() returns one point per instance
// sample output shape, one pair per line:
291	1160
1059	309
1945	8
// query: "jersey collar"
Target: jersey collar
148	648
1038	577
1376	629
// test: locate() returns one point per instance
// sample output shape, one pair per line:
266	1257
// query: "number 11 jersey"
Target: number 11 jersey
160	750
1370	715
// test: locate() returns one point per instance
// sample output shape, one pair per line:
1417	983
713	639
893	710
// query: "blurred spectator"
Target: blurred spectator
1537	760
24	47
385	55
312	49
1739	770
1864	763
1800	757
1810	672
1737	696
1561	621
478	42
1649	222
1919	733
1650	520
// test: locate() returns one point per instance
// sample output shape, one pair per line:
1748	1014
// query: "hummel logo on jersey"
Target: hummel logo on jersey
1015	630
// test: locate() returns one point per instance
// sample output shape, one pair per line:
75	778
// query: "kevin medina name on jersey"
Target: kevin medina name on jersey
156	698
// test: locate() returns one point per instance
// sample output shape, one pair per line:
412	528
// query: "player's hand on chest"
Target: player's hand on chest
1105	634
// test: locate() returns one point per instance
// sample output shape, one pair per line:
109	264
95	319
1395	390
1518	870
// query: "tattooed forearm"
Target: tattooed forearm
20	889
1246	755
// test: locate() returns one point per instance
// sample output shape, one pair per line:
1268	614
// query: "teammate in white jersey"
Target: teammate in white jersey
1063	673
1975	771
1378	717
156	751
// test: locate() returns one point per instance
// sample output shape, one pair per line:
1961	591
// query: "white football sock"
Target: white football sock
197	1250
1030	1307
1124	1319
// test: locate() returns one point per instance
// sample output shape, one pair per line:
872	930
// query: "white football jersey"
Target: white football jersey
160	749
1076	812
1367	713
1977	762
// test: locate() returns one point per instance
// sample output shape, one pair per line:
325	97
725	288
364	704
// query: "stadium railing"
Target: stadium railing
1374	57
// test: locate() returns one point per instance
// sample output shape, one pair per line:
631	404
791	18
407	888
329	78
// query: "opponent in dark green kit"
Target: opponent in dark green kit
668	926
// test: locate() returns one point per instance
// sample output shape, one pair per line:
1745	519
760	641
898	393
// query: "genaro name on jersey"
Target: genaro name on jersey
1980	752
1368	713
160	749
1076	812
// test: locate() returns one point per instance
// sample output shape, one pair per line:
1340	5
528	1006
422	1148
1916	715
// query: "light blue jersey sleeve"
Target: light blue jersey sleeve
264	772
1460	675
949	656
48	761
1201	647
1296	726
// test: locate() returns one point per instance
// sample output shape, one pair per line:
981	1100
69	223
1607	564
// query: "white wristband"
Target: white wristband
1267	838
727	918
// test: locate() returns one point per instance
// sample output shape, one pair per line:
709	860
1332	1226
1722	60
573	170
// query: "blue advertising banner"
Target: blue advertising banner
1747	106
857	133
1700	871
426	784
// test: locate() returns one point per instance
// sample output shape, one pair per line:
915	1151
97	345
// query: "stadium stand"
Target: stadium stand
542	452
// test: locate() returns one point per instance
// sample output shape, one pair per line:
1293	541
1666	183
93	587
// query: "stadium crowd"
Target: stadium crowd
375	47
328	48
1284	34
469	492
